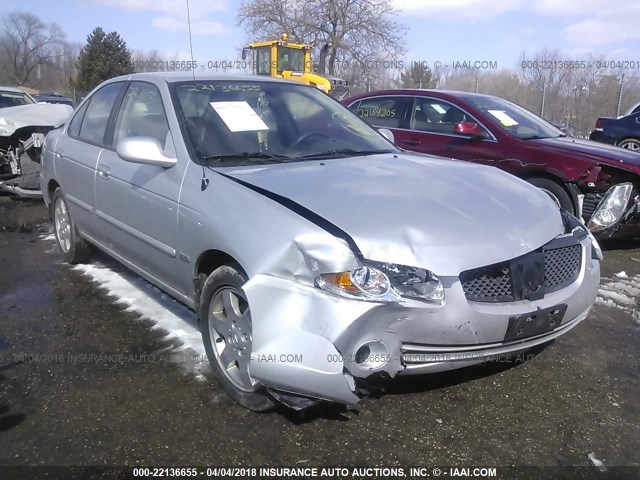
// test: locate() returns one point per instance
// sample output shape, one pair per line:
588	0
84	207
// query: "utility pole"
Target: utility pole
620	95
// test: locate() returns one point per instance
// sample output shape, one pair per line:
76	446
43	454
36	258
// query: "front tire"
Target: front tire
74	248
225	324
630	144
557	193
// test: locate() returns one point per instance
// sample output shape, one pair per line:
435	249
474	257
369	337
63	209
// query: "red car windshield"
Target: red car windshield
513	119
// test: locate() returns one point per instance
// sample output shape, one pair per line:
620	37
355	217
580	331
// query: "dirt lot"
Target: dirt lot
60	406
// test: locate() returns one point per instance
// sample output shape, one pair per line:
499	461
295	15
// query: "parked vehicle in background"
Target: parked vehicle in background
578	174
23	126
633	109
319	257
13	97
55	98
623	131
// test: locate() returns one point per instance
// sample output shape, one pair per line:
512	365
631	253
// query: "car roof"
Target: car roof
172	77
445	94
13	90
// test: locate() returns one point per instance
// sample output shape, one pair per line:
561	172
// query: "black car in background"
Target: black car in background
55	98
623	132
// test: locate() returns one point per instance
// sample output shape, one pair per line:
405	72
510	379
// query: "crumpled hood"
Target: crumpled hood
39	114
594	151
444	215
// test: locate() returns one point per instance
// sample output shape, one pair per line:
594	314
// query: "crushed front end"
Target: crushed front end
22	136
328	340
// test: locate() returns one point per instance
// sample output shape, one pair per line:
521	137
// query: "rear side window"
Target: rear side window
380	111
94	123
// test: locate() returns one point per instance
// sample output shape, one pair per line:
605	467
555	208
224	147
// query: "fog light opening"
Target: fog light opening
362	354
372	355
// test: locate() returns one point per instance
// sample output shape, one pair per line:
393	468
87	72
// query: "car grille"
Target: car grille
561	266
591	201
496	283
488	284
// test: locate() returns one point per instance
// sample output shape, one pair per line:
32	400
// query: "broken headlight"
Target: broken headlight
363	283
414	282
384	282
611	208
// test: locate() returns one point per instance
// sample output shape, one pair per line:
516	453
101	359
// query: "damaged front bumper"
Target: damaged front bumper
312	344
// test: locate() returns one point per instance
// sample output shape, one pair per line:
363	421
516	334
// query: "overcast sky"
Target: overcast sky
443	30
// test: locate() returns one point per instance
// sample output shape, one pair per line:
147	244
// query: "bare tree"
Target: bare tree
355	31
26	45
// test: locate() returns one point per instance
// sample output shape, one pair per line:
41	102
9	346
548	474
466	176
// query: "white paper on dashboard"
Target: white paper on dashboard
504	119
239	116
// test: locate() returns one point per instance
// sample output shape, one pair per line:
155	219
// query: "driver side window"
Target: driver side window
142	114
437	116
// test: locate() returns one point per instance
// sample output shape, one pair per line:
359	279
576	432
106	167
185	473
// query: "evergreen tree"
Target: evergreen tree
104	56
418	75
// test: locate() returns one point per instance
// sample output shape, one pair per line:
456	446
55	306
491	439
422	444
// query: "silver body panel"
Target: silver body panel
416	210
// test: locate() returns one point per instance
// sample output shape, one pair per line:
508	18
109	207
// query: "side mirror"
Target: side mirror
388	134
470	129
145	150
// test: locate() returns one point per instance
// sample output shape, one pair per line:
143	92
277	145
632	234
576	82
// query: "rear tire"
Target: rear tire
557	193
74	248
225	324
630	144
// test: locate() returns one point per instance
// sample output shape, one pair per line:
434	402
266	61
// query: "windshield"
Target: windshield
246	122
290	59
514	119
14	99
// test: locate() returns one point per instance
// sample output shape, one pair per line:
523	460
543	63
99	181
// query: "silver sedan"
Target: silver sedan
317	256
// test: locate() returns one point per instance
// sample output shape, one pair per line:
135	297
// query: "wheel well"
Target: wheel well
51	187
552	178
637	139
547	176
212	259
206	264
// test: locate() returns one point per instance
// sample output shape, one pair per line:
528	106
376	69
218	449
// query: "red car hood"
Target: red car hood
594	151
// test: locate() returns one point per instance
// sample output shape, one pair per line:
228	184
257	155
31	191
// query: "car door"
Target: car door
388	111
432	123
138	203
77	152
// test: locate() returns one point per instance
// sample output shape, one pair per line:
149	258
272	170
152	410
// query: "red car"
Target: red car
595	181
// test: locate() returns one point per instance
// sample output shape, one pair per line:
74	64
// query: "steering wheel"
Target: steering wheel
307	136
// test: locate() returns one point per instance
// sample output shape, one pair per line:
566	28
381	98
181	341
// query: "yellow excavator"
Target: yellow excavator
283	59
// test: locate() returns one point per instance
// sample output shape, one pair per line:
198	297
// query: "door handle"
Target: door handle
104	172
412	141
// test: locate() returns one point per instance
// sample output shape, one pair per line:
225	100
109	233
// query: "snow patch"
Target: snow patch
621	291
139	296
